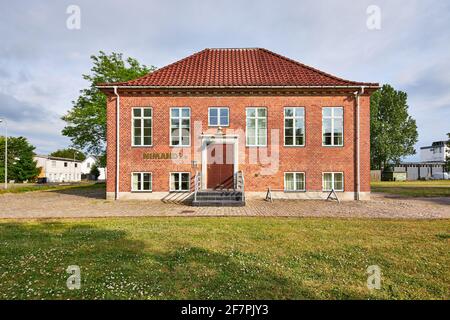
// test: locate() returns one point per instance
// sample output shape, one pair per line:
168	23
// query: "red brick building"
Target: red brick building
233	119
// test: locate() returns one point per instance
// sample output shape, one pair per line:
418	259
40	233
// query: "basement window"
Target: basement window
180	181
141	181
333	180
294	181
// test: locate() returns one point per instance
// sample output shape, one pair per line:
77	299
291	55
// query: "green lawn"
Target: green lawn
432	188
229	258
19	188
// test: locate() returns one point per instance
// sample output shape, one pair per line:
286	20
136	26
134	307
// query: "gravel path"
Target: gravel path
91	203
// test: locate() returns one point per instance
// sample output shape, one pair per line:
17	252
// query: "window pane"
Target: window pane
224	120
251	123
148	141
326	112
147	112
147	181
251	112
261	112
289	123
175	123
224	112
299	140
326	127
299	183
136	181
137	141
289	141
327	181
338	181
262	123
173	181
289	181
175	113
289	132
213	120
185	112
185	123
147	123
251	140
137	112
213	112
288	112
338	112
262	140
299	112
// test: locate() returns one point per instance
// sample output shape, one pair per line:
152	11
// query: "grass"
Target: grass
432	188
20	188
224	258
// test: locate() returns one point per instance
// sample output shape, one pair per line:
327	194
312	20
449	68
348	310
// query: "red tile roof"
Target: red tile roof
254	67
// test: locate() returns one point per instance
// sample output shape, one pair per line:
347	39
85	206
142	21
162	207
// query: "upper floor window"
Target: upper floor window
180	127
256	130
218	117
333	126
65	164
294	126
141	181
333	181
53	163
142	127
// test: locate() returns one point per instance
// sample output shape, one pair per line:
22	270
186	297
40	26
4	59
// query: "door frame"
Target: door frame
218	139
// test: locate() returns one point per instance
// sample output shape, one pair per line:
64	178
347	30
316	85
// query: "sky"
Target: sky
42	60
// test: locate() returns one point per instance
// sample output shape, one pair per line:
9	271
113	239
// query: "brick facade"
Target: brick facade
313	159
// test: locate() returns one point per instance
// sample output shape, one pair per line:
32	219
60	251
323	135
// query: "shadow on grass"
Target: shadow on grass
34	258
93	191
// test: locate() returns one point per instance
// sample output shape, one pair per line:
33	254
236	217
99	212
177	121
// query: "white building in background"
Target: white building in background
56	169
437	152
87	165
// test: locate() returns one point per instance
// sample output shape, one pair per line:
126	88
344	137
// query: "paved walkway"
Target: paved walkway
91	203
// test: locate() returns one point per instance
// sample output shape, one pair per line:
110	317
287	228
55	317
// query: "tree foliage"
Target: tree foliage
21	164
69	153
95	171
86	121
393	132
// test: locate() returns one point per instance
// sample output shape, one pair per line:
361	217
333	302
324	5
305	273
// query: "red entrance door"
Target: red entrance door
220	167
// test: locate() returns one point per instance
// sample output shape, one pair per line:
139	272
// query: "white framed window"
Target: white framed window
53	163
141	127
294	126
141	181
180	127
333	180
180	181
256	127
218	117
333	126
294	181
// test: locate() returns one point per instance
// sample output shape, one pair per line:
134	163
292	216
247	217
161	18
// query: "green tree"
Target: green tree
86	121
393	132
21	165
95	172
69	153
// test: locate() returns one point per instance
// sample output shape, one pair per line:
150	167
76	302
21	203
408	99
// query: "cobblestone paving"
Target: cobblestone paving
91	203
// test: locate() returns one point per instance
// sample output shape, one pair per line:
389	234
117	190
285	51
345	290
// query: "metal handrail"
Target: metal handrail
240	181
197	183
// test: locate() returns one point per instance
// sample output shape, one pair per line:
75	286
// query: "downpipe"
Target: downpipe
117	142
